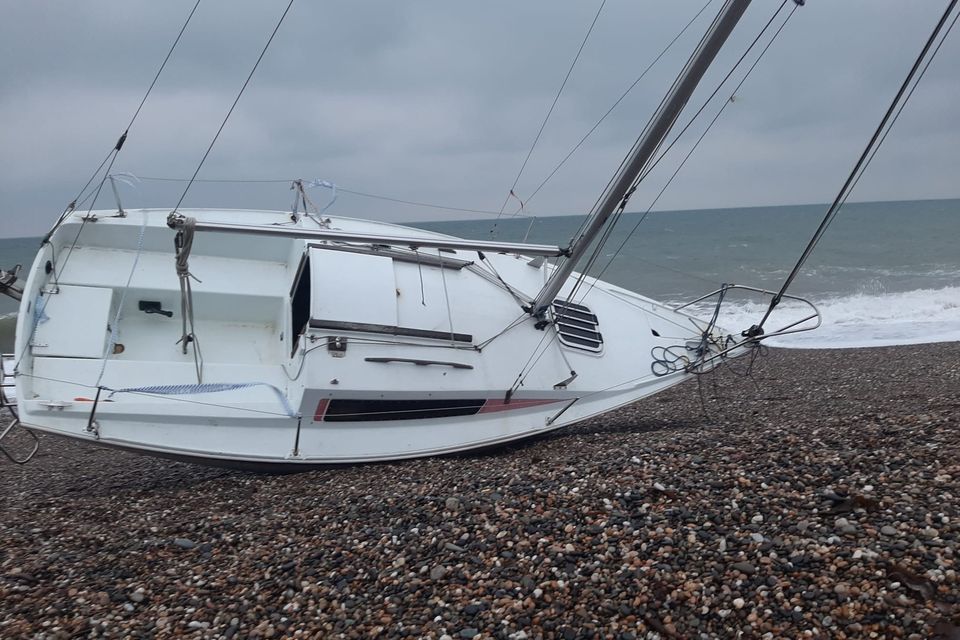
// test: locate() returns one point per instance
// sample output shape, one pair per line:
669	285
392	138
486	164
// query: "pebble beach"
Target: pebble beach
815	495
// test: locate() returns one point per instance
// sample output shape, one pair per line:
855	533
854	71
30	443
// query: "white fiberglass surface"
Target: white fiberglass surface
73	323
352	287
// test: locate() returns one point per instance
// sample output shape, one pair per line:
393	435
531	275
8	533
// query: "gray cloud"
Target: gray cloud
438	101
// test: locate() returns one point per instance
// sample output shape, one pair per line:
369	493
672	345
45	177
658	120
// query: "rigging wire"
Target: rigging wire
422	204
623	95
690	153
615	215
899	112
490	212
887	122
524	370
646	128
111	156
546	118
553	337
119	144
362	194
646	170
518	213
516	323
233	106
706	102
162	65
623	162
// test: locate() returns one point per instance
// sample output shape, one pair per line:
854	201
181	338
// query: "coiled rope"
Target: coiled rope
183	243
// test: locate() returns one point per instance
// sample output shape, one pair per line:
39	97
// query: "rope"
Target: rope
327	185
546	118
867	155
183	243
233	106
209	387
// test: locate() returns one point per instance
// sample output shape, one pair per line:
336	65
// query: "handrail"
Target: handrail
750	338
10	407
10	456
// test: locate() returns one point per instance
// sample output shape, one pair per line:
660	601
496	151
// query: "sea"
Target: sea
885	273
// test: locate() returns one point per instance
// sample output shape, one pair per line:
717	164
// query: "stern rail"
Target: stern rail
8	405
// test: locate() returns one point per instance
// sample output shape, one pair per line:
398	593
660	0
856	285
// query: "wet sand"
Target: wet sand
817	497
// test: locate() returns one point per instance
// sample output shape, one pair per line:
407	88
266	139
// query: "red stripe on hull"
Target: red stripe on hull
321	410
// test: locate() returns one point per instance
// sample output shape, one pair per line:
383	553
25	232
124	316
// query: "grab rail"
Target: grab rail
11	408
749	339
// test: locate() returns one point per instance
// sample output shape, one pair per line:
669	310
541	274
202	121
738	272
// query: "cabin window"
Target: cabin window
300	303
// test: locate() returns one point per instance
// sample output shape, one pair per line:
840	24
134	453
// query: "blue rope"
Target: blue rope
206	387
329	185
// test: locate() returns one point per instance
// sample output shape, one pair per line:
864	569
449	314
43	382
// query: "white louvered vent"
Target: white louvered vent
577	326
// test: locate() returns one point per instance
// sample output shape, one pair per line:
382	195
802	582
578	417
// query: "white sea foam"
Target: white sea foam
860	320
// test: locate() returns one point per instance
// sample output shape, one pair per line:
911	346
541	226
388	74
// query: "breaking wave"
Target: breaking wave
859	320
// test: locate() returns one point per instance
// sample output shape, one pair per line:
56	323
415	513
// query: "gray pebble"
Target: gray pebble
184	543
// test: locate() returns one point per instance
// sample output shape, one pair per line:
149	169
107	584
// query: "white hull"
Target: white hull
401	354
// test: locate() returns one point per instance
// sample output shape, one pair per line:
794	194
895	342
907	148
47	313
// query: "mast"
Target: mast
656	131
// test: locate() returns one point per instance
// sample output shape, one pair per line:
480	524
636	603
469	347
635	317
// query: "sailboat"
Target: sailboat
279	339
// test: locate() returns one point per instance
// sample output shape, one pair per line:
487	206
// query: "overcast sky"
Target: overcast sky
438	101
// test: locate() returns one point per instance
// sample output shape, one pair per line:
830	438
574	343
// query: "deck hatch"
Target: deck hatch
577	326
348	287
74	322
